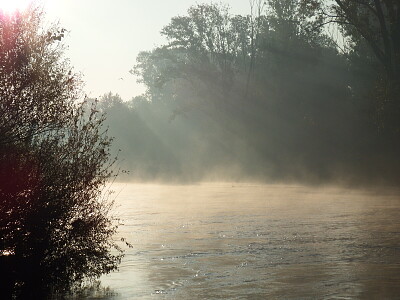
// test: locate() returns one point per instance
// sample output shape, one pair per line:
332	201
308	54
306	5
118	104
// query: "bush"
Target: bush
56	225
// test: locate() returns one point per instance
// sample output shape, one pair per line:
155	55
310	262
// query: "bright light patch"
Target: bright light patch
6	252
11	6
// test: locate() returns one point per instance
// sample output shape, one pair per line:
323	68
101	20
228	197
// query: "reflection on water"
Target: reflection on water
239	241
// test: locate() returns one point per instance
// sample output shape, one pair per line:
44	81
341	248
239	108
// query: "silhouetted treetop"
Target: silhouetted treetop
37	85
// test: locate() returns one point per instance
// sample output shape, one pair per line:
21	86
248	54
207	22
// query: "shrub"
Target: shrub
56	225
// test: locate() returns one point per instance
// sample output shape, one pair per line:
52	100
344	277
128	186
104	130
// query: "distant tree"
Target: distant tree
297	91
372	30
200	52
56	226
378	22
205	30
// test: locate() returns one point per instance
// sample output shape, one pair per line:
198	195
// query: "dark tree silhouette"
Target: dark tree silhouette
56	225
372	32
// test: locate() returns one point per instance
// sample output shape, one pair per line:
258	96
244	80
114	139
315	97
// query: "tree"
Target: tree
56	225
372	30
378	22
295	109
32	70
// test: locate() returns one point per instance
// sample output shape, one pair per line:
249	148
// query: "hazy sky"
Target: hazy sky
105	36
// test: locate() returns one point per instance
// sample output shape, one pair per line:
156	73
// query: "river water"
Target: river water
250	241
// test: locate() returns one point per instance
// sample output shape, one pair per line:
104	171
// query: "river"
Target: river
255	241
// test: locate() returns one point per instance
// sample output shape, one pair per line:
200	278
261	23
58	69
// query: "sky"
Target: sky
105	37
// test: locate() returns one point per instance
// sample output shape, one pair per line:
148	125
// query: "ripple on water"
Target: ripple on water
258	241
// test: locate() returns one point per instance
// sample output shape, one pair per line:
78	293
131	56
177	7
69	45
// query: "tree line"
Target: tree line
297	90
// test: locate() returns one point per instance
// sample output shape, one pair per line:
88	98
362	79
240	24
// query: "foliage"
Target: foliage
31	68
372	32
56	225
273	94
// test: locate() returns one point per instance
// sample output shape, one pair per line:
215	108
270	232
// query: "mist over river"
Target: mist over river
255	241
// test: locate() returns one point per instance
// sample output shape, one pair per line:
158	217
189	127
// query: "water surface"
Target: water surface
249	241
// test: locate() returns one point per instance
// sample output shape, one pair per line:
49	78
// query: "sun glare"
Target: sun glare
11	6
